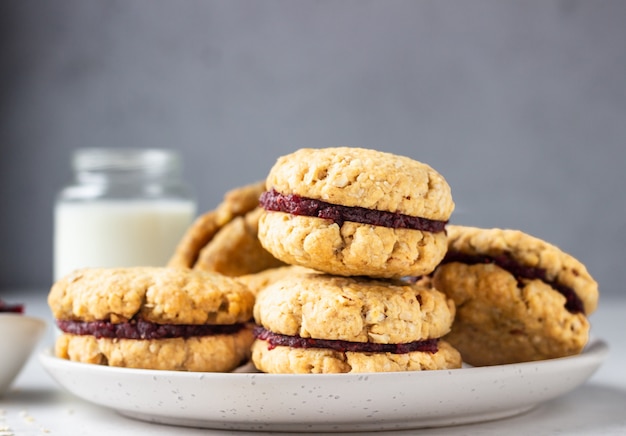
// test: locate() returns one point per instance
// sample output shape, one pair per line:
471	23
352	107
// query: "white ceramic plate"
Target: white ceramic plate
326	402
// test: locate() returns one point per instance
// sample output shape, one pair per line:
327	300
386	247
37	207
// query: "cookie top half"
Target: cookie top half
358	177
154	294
322	306
527	257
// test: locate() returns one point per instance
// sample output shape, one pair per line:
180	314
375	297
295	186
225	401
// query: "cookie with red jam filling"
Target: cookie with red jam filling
518	297
318	323
224	239
354	211
153	318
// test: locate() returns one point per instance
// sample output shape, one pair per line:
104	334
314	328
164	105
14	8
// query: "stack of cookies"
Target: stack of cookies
353	224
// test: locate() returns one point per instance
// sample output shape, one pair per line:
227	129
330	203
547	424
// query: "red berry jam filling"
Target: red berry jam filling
505	261
274	340
139	329
11	308
296	205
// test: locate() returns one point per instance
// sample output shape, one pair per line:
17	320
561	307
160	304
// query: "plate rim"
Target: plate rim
578	369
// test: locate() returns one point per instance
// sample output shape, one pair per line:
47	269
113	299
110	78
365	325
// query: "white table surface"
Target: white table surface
36	405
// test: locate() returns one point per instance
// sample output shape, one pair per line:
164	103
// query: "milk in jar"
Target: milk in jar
127	207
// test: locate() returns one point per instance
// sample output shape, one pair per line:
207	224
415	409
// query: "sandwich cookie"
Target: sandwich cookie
235	249
153	318
353	211
518	297
318	323
224	239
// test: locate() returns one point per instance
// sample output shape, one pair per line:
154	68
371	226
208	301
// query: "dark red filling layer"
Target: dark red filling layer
275	340
143	329
11	308
296	205
505	261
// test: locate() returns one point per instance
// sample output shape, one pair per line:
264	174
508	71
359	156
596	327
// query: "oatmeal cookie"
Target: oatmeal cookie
518	297
352	211
362	322
236	203
353	309
235	249
117	314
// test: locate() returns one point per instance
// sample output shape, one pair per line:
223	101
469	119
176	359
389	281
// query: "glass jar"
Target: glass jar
127	207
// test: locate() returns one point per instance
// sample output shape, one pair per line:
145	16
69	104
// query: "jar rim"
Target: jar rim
125	159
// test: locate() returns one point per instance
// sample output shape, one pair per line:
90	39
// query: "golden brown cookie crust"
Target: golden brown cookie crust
353	309
236	202
372	179
286	360
201	231
499	322
159	295
352	248
218	353
529	251
235	249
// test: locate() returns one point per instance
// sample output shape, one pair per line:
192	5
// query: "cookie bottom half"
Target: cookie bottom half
351	249
287	360
218	353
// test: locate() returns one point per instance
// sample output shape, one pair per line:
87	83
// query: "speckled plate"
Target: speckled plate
330	402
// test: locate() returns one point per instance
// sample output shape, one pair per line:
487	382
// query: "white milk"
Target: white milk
112	233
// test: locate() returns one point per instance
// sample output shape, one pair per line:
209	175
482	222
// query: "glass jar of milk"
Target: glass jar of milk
127	207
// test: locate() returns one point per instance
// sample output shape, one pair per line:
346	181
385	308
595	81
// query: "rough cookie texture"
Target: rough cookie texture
530	251
371	179
368	179
502	319
236	202
353	309
351	249
235	249
219	353
286	360
159	295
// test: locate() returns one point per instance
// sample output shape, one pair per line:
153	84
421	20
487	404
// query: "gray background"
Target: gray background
521	105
